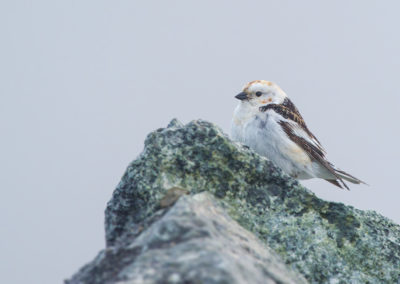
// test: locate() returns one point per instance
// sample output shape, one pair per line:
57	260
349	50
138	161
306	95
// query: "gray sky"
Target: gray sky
84	82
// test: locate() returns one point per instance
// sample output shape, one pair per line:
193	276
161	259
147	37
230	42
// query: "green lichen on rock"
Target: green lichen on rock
327	242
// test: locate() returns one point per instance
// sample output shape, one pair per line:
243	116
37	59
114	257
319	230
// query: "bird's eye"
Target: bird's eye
258	94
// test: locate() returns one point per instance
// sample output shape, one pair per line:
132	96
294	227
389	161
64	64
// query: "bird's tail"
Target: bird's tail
348	177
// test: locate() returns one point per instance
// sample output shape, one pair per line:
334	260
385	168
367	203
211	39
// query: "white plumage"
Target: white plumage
269	123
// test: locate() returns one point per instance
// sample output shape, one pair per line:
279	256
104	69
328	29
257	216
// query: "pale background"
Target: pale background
83	83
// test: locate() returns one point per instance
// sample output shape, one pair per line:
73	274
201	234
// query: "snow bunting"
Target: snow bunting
269	123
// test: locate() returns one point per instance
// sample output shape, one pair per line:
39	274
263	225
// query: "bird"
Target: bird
268	122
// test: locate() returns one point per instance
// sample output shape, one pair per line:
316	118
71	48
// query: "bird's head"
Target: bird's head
260	93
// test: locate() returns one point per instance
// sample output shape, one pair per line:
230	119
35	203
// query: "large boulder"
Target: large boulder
325	242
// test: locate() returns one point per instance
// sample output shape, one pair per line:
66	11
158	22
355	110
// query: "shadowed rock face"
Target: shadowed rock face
326	242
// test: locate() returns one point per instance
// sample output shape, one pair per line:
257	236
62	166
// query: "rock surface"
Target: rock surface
193	242
326	242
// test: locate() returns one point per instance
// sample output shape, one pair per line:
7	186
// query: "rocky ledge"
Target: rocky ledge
196	207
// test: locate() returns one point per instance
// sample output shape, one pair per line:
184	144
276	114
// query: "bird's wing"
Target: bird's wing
287	103
313	150
296	129
290	113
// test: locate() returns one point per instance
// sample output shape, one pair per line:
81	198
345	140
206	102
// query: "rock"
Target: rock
193	242
326	242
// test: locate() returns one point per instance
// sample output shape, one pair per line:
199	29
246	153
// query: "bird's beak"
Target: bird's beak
241	96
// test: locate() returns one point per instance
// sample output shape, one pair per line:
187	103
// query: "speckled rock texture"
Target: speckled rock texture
194	241
326	242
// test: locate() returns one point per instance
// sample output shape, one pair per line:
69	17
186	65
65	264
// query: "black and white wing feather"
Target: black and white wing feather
296	129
